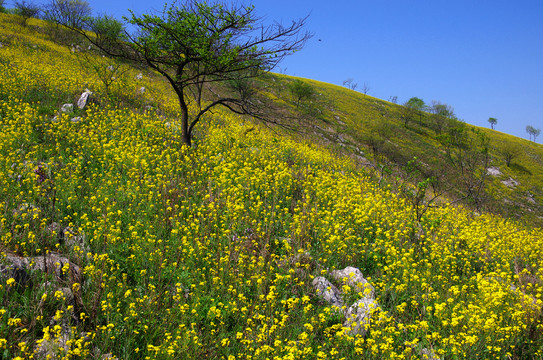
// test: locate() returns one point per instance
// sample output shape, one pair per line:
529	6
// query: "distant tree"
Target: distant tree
196	45
413	107
108	28
376	135
442	114
301	91
509	151
73	13
2	8
350	84
533	132
393	99
26	10
365	89
468	154
493	122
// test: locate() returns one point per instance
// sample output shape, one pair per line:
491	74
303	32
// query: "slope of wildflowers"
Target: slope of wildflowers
209	252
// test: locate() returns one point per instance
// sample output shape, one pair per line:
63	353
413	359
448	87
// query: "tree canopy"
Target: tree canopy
493	122
195	44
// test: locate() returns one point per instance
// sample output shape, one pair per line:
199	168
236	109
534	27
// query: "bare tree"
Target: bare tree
26	10
74	13
350	84
365	89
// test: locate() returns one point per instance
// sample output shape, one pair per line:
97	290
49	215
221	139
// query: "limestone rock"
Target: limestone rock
139	76
353	277
327	291
76	119
494	171
48	349
510	182
51	263
84	99
141	90
358	315
67	108
428	354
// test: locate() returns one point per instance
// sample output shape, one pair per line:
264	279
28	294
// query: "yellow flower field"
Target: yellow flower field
209	252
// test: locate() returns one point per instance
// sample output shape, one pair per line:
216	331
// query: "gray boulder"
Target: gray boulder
358	316
327	291
353	277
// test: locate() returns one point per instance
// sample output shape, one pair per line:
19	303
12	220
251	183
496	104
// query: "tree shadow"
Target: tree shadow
520	168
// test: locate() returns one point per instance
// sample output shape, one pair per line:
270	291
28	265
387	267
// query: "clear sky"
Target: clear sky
483	57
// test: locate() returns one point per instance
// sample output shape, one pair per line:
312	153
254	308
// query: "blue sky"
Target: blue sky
483	57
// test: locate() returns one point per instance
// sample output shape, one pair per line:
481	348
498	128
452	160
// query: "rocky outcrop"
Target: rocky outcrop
510	182
494	171
358	315
20	268
353	277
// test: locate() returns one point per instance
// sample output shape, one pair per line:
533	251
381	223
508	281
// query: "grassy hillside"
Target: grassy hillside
163	251
375	132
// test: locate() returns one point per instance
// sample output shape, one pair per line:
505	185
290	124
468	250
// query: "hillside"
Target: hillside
380	134
119	242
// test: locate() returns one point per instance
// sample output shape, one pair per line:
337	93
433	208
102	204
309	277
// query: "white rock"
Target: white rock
353	277
83	99
139	76
510	182
494	171
327	291
66	108
358	316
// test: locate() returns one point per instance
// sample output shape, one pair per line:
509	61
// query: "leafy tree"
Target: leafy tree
73	13
2	8
300	91
493	122
378	132
196	45
413	107
26	10
107	27
509	151
442	114
533	132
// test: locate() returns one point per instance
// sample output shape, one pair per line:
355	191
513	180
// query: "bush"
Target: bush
108	28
